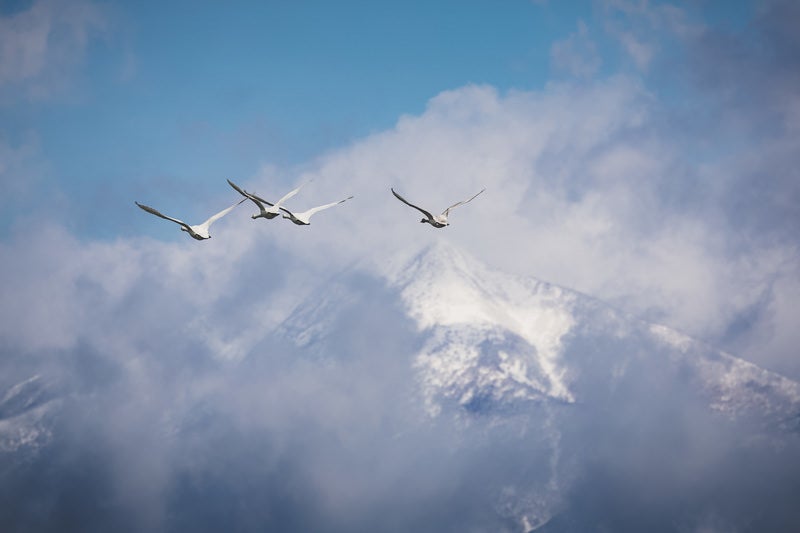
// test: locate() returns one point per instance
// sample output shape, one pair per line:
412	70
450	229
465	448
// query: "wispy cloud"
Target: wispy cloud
577	55
164	433
586	187
643	29
42	45
21	168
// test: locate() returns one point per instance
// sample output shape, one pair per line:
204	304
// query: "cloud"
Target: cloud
41	46
159	430
21	169
182	410
576	55
586	188
749	84
644	29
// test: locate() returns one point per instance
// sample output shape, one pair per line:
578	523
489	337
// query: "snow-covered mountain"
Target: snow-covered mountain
430	393
545	373
25	410
489	339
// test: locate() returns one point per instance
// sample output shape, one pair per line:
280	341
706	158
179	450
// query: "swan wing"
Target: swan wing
447	211
288	214
214	218
157	213
259	199
427	214
256	200
288	195
321	207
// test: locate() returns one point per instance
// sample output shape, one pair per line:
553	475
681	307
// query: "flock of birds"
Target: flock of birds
271	210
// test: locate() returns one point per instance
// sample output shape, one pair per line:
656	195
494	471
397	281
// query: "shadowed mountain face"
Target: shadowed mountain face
436	395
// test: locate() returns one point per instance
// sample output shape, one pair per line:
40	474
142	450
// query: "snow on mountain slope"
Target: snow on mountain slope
733	385
553	377
490	339
493	335
24	409
436	381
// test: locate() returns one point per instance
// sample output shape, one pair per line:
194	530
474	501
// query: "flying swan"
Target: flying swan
303	219
438	221
266	212
199	231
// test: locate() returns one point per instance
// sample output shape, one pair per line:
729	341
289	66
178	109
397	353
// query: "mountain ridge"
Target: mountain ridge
490	334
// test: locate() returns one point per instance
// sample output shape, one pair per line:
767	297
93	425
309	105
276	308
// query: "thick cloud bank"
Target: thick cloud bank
141	408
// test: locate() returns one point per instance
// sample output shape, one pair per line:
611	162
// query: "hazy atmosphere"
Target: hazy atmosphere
603	340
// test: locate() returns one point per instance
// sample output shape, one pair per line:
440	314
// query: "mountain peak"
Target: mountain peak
464	303
487	340
499	336
437	258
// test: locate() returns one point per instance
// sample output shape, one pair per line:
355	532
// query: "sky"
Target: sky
643	153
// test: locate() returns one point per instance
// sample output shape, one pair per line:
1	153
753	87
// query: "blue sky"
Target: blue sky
195	93
641	153
192	93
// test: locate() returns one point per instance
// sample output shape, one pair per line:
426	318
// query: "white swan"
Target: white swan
266	212
437	221
303	219
199	231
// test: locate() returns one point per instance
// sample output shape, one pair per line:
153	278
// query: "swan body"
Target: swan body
198	231
267	209
437	221
304	218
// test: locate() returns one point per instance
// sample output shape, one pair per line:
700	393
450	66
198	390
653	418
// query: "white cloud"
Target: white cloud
20	169
578	193
579	183
577	55
585	188
643	28
40	46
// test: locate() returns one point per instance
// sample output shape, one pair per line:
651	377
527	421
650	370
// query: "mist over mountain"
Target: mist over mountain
433	394
604	340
